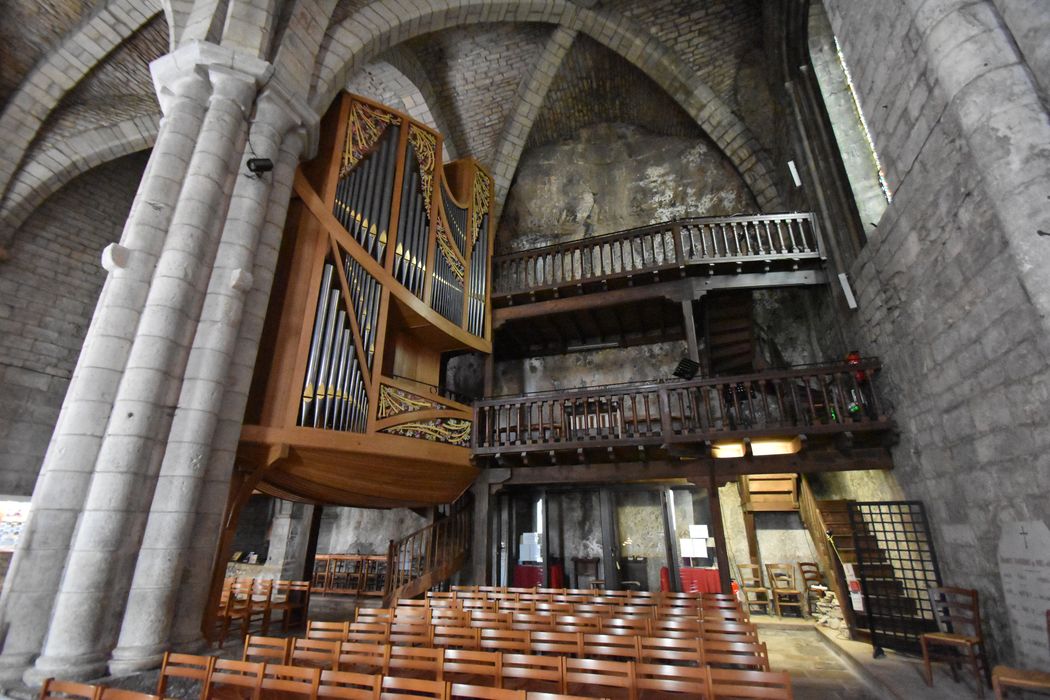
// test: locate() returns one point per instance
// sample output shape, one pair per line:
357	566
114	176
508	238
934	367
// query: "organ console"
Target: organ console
384	268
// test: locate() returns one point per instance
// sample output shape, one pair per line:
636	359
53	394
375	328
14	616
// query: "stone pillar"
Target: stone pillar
290	537
89	605
169	530
35	575
196	572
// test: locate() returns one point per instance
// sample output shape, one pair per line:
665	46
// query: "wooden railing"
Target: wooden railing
806	400
427	556
813	521
783	240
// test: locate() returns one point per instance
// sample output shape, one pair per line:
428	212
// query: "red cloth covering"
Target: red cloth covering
528	576
700	580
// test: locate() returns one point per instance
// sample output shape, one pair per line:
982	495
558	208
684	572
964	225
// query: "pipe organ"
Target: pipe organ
385	267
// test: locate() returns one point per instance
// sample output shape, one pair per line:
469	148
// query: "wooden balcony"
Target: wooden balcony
834	408
787	246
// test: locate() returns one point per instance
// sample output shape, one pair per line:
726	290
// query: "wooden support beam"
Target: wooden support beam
689	323
721	549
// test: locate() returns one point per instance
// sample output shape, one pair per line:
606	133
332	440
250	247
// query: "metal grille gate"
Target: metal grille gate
896	565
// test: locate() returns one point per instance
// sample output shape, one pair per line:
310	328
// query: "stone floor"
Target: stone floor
817	672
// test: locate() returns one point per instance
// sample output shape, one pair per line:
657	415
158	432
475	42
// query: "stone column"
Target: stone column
169	530
196	571
89	605
35	574
289	537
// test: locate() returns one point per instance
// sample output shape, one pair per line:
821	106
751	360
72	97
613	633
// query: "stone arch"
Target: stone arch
56	165
60	71
368	32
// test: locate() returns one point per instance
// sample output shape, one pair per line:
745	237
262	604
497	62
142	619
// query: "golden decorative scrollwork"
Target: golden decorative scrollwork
365	128
455	264
425	145
482	196
451	431
394	402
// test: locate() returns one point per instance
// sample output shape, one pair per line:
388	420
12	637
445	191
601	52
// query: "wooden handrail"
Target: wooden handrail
427	556
709	241
829	560
815	399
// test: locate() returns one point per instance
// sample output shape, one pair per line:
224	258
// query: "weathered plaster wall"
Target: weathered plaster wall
576	529
950	285
364	530
48	289
613	177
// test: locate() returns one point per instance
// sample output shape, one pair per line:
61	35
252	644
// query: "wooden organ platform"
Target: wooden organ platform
385	266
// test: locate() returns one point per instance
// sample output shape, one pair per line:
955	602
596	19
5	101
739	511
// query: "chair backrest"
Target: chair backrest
411	614
534	669
188	666
345	685
397	688
449	616
315	653
666	678
411	602
323	629
272	650
598	672
611	646
728	630
239	674
639	626
558	643
473	664
57	690
456	637
554	607
531	621
810	573
489	618
291	680
956	610
682	627
729	683
746	655
750	575
426	661
577	623
364	657
781	576
410	634
373	615
505	640
375	632
481	692
463	589
666	650
122	694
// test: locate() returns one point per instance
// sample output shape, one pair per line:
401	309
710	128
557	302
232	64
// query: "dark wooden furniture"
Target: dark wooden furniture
783	588
958	615
585	568
755	592
1004	677
812	582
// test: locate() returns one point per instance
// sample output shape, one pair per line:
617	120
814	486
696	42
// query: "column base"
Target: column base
132	660
12	666
66	668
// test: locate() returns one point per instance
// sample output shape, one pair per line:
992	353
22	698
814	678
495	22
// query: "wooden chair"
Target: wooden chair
450	616
637	626
610	646
613	678
188	667
755	592
344	685
1004	677
122	694
364	657
577	623
410	634
958	617
481	692
283	681
532	621
260	608
786	593
531	695
238	608
514	641
67	690
416	662
740	655
663	650
411	602
518	670
453	637
374	615
234	680
556	643
717	630
290	597
489	618
475	667
315	653
555	607
812	582
397	688
661	678
274	650
374	632
681	628
729	683
322	629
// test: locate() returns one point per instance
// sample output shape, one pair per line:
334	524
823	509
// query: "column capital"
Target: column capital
199	67
281	109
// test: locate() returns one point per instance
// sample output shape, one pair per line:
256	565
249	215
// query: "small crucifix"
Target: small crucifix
1024	534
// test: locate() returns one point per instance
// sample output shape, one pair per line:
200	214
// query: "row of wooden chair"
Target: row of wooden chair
540	619
520	675
54	689
247	600
421	633
647	609
382	657
570	595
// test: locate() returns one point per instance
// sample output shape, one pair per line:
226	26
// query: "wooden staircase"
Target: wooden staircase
769	493
729	328
423	559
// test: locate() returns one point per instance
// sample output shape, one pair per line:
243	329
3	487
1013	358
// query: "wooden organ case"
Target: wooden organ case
385	266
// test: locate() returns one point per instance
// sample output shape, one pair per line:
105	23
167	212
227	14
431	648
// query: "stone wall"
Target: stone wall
364	530
48	289
951	285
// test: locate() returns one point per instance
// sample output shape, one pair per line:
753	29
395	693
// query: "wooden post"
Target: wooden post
480	542
673	555
720	536
689	323
610	547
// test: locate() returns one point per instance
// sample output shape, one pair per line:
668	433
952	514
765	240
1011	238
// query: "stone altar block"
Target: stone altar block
1024	565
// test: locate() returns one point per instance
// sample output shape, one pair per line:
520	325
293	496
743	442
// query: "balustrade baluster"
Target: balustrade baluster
780	236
